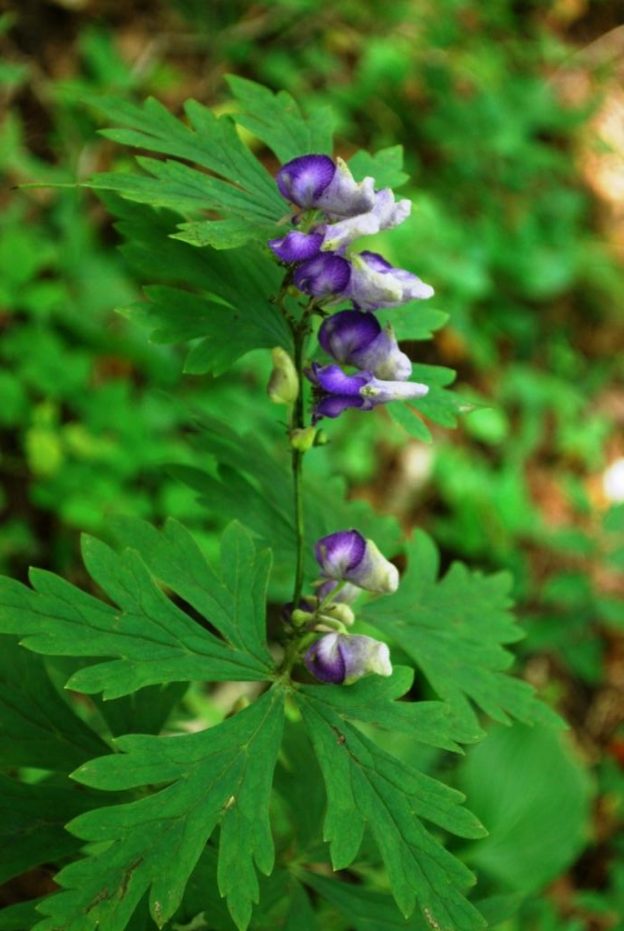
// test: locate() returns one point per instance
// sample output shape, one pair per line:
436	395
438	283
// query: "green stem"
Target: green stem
298	423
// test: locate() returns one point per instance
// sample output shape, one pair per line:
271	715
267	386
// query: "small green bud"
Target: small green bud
283	387
340	612
303	439
321	438
299	617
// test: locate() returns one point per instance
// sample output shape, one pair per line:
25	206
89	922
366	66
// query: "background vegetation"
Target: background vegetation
510	117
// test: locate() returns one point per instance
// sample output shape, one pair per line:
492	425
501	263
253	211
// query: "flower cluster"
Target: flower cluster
333	211
349	564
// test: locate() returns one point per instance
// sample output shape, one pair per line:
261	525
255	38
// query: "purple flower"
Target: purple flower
326	274
383	215
337	391
347	556
356	338
296	246
342	658
374	283
315	181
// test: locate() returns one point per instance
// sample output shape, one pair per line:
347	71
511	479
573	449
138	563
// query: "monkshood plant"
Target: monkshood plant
306	806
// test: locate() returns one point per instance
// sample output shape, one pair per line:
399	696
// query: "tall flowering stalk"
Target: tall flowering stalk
330	212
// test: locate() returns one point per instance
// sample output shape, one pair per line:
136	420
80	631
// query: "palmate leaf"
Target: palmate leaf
238	186
364	909
230	309
366	787
32	819
151	639
455	629
38	728
222	776
385	166
278	121
440	405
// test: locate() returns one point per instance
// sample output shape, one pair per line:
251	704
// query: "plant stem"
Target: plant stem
297	423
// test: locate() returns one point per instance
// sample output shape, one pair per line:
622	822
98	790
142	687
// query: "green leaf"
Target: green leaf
242	191
278	121
142	712
38	728
414	321
32	819
385	166
366	787
152	639
226	298
222	234
226	332
373	701
364	909
231	308
20	917
455	630
539	816
256	486
439	405
220	777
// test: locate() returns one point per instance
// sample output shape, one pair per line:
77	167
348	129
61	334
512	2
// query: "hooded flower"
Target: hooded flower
337	391
374	283
317	182
347	556
326	275
356	338
383	215
296	246
343	658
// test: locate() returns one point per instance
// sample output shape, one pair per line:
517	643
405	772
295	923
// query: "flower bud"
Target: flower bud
303	439
283	387
346	555
343	659
339	612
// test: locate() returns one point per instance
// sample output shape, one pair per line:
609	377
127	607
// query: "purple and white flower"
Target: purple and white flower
343	658
317	182
384	214
297	246
356	338
326	275
347	556
375	283
337	391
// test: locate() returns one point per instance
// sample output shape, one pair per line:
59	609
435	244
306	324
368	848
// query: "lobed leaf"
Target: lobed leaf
278	121
37	727
385	166
32	819
238	186
373	701
455	629
366	787
222	777
151	639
